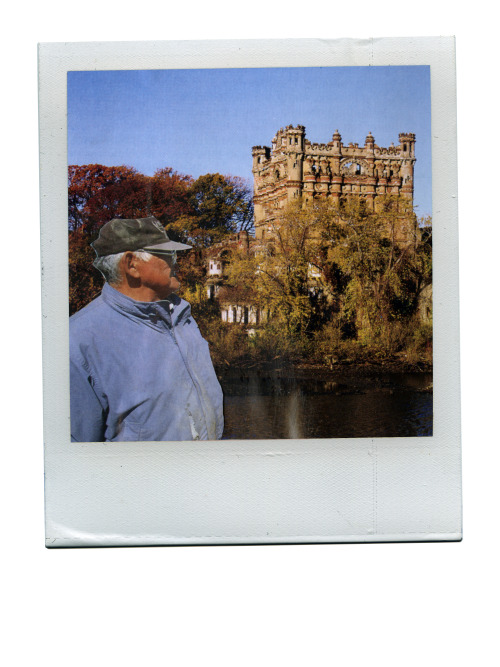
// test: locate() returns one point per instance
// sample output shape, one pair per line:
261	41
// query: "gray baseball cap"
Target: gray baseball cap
135	234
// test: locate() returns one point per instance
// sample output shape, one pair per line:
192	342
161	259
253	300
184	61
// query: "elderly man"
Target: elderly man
140	369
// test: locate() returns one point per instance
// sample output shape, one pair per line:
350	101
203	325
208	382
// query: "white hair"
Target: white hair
109	265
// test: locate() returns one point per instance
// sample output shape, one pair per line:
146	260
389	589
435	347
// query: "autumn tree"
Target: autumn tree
220	205
279	273
341	273
97	194
382	256
168	192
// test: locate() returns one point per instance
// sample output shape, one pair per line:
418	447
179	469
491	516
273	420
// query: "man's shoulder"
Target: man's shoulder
91	322
87	313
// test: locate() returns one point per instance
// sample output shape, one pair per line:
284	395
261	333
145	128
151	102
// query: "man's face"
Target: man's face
159	275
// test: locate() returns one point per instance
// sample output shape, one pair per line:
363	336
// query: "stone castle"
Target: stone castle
295	167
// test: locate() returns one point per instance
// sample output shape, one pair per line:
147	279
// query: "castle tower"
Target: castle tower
294	148
261	161
260	155
407	144
369	187
407	147
336	179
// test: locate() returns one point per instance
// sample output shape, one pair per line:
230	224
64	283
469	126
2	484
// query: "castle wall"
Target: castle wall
293	167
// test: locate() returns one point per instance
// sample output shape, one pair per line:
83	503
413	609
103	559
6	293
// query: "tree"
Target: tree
280	273
85	282
220	205
169	195
97	194
343	272
380	254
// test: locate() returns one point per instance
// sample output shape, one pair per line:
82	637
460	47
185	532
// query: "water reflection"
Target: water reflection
386	405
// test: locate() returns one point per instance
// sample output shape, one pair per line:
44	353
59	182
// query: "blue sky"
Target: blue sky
201	121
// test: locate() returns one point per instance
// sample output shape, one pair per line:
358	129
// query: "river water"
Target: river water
381	405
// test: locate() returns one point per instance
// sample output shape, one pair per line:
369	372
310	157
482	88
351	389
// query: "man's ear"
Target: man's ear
129	263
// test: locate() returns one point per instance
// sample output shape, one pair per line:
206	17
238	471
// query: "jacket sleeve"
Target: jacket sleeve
88	415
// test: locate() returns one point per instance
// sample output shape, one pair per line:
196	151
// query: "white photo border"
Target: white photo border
240	491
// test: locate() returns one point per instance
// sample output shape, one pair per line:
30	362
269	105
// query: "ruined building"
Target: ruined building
294	167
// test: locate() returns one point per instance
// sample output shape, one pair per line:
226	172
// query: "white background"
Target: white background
378	604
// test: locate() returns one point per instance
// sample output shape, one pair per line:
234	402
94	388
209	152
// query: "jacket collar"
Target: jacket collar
173	310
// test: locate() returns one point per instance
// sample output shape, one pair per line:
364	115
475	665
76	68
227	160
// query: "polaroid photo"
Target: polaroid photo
250	291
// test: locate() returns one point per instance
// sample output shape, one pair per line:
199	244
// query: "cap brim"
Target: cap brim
168	246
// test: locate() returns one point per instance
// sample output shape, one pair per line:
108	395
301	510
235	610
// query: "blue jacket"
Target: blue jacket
141	371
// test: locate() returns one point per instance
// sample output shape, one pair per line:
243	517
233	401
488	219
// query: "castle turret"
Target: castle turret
260	155
294	148
294	139
369	186
407	144
336	143
369	143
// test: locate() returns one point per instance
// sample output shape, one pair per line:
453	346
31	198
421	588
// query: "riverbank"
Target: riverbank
310	371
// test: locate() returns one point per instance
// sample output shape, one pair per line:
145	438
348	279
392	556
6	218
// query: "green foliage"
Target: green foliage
342	282
381	255
283	271
219	206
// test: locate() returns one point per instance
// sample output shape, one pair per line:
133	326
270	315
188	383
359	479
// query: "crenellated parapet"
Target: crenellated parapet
294	167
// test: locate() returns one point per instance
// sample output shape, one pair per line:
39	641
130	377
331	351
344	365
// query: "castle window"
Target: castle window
296	140
404	147
290	141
